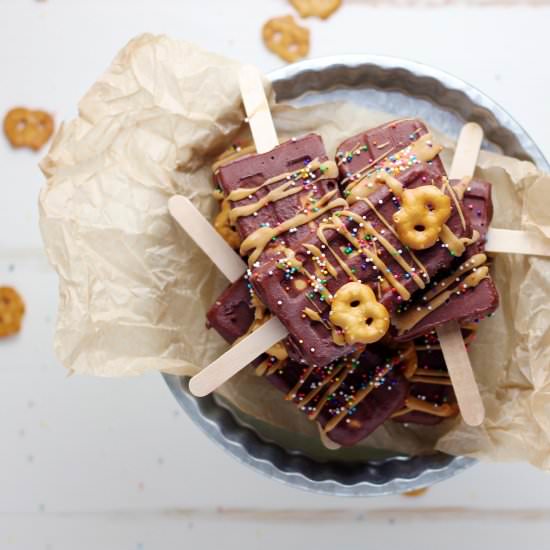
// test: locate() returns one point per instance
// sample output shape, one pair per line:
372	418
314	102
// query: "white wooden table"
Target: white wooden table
94	463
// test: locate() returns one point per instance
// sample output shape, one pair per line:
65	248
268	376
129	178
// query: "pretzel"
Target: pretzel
318	8
26	128
283	36
357	312
423	212
224	228
12	310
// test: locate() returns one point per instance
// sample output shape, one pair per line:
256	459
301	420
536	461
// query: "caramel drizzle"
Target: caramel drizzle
438	295
291	262
231	155
447	186
414	404
337	381
320	261
256	242
322	385
361	394
328	169
423	150
366	230
440	381
456	245
286	190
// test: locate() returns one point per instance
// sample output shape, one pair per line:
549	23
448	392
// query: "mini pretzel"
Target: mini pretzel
26	128
319	8
12	310
283	36
360	316
224	228
423	212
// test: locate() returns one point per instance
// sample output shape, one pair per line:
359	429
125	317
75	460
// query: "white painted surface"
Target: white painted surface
93	463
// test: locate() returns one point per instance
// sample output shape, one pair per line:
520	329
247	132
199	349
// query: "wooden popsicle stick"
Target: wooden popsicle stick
233	360
466	152
449	335
326	441
206	237
517	242
257	109
461	373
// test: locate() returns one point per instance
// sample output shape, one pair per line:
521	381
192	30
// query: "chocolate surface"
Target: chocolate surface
232	313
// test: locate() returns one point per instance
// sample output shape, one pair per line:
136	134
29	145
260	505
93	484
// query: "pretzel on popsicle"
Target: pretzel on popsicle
420	219
357	312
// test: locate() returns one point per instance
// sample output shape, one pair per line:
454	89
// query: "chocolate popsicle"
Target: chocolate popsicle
467	293
265	191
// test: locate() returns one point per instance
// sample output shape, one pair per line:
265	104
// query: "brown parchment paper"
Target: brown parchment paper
134	289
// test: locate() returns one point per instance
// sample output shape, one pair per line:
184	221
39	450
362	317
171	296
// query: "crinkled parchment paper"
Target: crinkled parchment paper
134	288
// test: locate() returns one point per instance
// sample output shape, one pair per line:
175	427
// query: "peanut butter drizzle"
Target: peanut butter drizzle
316	317
427	380
437	296
456	200
321	259
313	315
361	394
336	225
256	242
230	156
460	188
354	149
300	284
409	359
366	229
330	171
288	189
389	247
290	260
322	385
423	149
432	373
456	245
474	262
444	410
268	367
336	383
218	194
396	188
294	390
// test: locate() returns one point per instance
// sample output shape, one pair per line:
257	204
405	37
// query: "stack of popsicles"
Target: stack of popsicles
358	276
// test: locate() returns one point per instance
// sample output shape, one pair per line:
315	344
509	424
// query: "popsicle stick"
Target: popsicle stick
233	360
517	242
257	109
206	237
449	334
460	371
326	441
467	150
